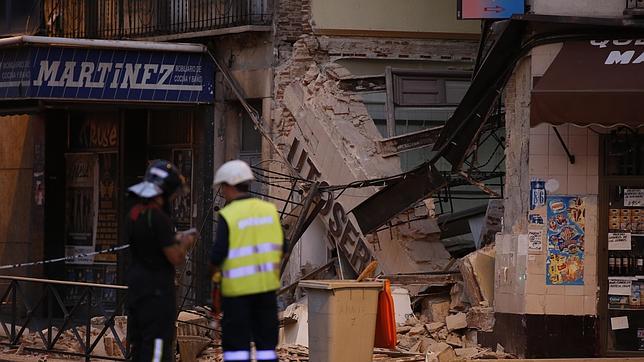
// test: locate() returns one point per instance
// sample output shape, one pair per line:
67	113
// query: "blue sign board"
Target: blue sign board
105	75
489	9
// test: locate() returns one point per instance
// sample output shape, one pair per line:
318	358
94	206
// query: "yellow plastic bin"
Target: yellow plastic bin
342	319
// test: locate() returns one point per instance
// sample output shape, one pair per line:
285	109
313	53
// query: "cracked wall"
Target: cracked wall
329	136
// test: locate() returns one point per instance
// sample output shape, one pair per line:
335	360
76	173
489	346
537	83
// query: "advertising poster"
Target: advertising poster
566	220
107	229
81	204
182	205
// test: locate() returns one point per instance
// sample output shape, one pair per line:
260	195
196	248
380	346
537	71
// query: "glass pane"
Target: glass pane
628	266
624	154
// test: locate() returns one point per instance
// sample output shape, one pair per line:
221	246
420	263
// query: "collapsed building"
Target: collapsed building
329	102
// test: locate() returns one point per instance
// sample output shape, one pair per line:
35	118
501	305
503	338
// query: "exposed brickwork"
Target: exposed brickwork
293	19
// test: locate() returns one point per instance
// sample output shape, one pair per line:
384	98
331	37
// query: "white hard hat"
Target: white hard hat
234	172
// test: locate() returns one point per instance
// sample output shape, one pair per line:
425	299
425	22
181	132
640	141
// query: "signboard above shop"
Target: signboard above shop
489	9
50	72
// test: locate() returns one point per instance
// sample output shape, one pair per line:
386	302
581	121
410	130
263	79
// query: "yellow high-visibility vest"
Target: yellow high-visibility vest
255	242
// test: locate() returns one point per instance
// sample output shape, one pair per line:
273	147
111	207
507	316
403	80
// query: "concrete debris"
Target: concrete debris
481	318
477	269
434	326
296	332
443	351
285	353
454	340
456	321
457	297
436	342
192	324
436	310
466	353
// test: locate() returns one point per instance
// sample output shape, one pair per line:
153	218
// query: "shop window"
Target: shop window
624	154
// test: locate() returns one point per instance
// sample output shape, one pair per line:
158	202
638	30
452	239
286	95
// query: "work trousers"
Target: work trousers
151	328
250	318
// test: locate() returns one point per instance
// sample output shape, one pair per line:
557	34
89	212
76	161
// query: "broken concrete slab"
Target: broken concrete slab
466	353
482	263
425	343
481	318
457	297
456	321
296	333
434	326
443	351
417	330
435	309
472	290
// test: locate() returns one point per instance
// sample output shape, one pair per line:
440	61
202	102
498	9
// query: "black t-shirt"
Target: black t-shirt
149	230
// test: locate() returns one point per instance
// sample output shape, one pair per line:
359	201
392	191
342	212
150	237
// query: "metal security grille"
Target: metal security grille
120	19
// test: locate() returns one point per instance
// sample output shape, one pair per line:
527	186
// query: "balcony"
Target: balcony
136	19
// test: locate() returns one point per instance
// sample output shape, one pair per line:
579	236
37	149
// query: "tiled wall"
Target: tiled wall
520	274
548	161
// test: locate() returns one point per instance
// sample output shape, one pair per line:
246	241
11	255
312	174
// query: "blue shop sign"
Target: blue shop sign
105	75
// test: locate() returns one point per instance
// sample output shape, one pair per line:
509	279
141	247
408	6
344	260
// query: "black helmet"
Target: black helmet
161	178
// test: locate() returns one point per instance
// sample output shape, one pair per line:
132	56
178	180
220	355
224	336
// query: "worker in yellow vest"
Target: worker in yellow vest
248	249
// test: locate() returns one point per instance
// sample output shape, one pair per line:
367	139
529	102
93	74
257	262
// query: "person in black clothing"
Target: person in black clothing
156	249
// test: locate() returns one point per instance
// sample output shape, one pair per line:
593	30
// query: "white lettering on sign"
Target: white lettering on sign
122	75
619	286
341	231
619	241
634	197
617	57
605	43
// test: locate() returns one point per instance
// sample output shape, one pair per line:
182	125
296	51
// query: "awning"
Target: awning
592	82
44	68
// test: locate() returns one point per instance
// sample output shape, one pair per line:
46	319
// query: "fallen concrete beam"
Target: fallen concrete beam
397	197
394	145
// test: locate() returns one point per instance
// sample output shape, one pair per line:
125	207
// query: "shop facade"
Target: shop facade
91	114
575	185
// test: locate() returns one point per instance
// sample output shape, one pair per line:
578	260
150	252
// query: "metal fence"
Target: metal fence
40	305
119	19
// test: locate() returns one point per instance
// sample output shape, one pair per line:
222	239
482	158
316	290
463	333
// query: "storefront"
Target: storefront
594	88
97	112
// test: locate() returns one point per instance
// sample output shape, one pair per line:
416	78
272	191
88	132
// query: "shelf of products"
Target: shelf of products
626	275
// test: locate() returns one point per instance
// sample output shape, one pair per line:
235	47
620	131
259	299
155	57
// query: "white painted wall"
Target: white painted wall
588	8
310	252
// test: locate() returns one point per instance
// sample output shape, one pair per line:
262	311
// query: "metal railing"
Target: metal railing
119	19
41	305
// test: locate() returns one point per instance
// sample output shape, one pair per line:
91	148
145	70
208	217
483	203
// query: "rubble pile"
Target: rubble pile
446	324
454	338
285	353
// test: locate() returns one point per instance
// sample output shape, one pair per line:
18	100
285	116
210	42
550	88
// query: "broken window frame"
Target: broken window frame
395	81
